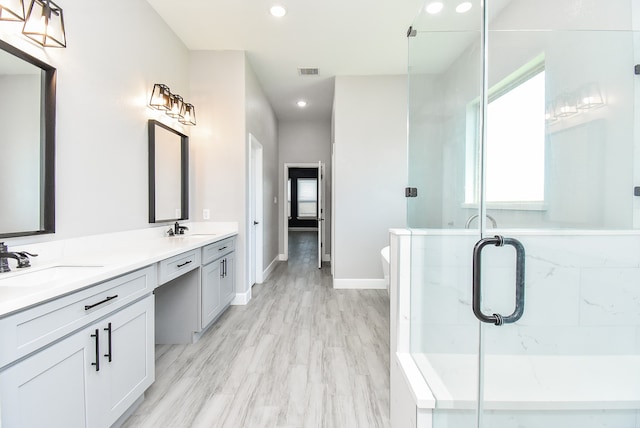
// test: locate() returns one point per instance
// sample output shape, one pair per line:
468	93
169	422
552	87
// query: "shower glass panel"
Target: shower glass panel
522	124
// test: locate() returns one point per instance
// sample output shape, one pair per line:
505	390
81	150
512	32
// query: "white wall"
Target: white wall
370	132
114	56
262	124
305	142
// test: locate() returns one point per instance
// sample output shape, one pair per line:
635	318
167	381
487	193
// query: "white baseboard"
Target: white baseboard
242	298
269	270
282	258
360	284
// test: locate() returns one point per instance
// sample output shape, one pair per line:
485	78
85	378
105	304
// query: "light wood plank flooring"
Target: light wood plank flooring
300	354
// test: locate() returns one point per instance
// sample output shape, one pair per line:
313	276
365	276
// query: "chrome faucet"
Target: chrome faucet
468	223
22	257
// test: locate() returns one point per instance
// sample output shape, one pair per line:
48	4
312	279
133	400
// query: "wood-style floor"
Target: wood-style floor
300	354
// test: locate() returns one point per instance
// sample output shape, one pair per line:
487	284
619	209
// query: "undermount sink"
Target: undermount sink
29	278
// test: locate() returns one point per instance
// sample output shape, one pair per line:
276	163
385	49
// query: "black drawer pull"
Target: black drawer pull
185	263
223	248
87	307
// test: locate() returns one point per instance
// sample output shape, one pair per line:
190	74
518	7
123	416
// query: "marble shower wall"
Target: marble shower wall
582	294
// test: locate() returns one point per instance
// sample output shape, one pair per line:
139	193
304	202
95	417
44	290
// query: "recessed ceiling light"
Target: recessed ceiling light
464	7
302	103
278	11
434	7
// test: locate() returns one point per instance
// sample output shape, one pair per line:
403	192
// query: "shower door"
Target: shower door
525	295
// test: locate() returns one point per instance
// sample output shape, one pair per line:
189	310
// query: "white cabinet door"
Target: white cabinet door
227	283
132	367
50	388
210	292
62	386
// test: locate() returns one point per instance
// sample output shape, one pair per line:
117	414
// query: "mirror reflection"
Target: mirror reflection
168	182
27	118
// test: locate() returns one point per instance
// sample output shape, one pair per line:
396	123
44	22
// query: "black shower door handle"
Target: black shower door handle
498	319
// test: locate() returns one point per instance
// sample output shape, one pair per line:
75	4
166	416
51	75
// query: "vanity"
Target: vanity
78	329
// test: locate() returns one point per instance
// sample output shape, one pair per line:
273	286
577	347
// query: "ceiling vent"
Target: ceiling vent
307	71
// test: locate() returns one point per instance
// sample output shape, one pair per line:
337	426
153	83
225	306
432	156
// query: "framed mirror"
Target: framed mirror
27	144
168	174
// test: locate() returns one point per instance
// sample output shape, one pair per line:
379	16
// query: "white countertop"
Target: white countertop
65	267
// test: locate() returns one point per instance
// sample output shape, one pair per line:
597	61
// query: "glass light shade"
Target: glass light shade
188	114
566	105
590	97
160	97
175	106
550	112
44	24
11	10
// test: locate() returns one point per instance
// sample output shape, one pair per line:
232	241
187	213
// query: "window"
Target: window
307	197
515	169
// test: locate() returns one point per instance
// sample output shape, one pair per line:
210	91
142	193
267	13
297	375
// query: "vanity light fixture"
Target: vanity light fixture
589	97
12	10
188	114
566	105
160	97
175	106
44	24
550	112
172	104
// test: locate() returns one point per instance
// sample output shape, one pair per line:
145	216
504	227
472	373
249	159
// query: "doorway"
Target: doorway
255	217
304	207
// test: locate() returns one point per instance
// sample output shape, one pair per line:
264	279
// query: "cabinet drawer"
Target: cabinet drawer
218	249
30	330
175	266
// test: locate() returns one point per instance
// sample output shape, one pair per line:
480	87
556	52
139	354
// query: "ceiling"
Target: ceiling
339	37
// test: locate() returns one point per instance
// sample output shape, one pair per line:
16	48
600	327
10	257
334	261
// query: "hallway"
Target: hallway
300	354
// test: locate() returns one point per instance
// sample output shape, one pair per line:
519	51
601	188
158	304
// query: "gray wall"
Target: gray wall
370	131
230	105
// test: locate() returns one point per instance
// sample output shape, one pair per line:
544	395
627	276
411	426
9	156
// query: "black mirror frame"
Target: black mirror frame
184	173
47	143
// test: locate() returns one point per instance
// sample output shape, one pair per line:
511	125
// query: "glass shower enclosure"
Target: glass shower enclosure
525	251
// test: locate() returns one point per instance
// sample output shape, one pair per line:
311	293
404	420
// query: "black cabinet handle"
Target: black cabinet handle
97	336
222	268
108	330
185	263
87	307
223	248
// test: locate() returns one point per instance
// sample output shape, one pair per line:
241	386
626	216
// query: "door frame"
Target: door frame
255	212
285	217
